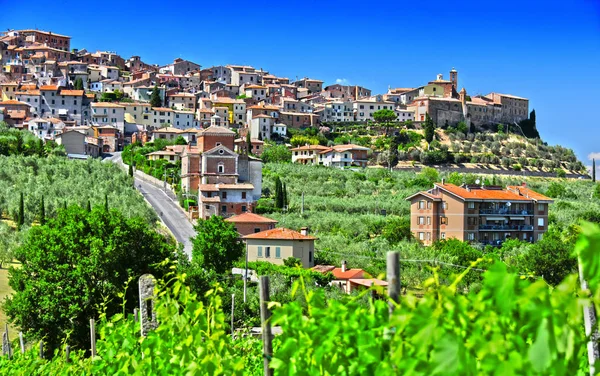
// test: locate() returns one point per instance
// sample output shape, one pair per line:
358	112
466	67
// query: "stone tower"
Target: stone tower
454	78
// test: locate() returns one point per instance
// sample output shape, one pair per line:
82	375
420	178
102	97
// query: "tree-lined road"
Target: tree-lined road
167	209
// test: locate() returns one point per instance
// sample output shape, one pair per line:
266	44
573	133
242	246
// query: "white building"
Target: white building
365	108
261	127
106	113
46	129
338	111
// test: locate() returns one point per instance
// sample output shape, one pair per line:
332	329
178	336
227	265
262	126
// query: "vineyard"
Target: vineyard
512	325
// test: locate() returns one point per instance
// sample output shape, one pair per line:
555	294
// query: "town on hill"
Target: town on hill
52	90
159	219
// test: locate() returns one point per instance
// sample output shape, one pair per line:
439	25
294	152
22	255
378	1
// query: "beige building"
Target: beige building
479	214
365	108
278	244
77	143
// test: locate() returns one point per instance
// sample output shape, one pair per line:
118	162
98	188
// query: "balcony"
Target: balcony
505	211
506	227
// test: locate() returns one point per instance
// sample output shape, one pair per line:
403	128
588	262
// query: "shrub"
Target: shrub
517	167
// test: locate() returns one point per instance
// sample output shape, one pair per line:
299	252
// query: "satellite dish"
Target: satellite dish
508	204
477	181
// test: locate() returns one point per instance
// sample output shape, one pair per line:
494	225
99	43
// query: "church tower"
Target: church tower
454	78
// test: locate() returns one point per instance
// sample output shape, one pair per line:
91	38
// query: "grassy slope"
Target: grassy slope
6	290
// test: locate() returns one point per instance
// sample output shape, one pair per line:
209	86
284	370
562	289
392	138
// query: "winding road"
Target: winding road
166	208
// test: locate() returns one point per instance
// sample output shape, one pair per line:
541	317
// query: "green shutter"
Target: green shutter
277	252
259	251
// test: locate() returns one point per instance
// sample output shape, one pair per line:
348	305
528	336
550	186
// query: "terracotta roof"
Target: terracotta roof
76	93
250	218
493	194
107	104
349	147
262	116
208	110
254	87
163	152
323	268
48	87
30	92
168	130
27	87
253	141
280	233
187	95
311	147
349	273
529	193
228	100
216	129
12	101
264	107
162	109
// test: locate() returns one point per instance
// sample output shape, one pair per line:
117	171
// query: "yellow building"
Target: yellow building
8	91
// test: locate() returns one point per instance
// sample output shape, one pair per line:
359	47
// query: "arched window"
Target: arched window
221	168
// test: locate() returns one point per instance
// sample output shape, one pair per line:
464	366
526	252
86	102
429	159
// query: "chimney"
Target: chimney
304	231
523	184
443	181
344	268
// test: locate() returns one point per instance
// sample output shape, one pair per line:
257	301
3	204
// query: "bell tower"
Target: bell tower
454	78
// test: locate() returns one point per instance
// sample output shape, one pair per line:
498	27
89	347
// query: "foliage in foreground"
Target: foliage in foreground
510	326
76	264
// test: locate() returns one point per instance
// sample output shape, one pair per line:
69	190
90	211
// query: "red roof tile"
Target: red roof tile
280	233
250	218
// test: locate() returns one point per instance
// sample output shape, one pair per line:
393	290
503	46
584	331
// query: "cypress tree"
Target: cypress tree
106	202
155	100
130	170
89	206
248	143
285	196
42	213
21	211
594	170
278	193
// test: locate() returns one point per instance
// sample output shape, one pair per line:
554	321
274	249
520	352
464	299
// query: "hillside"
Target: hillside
405	145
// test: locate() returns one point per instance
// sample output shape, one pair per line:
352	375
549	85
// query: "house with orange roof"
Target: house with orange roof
347	155
478	213
256	146
182	101
312	85
256	92
8	90
278	244
107	113
251	223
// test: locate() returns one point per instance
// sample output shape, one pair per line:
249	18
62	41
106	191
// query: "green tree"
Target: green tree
78	85
430	174
501	128
276	154
216	245
384	118
292	262
396	230
597	191
551	258
180	141
428	129
75	267
594	170
285	196
556	189
118	95
89	206
279	195
21	219
106	208
131	170
155	100
42	212
248	143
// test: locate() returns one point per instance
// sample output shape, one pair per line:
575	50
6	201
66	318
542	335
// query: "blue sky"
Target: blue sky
547	51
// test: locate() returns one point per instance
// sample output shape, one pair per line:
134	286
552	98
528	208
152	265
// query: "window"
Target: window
443	235
223	208
428	221
428	204
421	220
224	194
429	236
445	205
267	252
540	222
471	205
256	230
310	256
421	204
421	236
443	220
220	168
244	209
541	207
277	252
470	236
540	236
243	195
259	252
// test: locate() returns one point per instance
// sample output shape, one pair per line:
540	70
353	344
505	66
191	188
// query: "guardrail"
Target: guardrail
506	227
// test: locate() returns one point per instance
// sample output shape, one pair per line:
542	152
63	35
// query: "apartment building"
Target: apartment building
479	214
365	108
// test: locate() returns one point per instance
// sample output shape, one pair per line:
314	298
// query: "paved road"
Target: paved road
167	209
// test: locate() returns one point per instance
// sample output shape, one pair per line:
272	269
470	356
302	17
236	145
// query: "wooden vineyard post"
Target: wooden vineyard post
393	278
265	315
93	337
148	320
